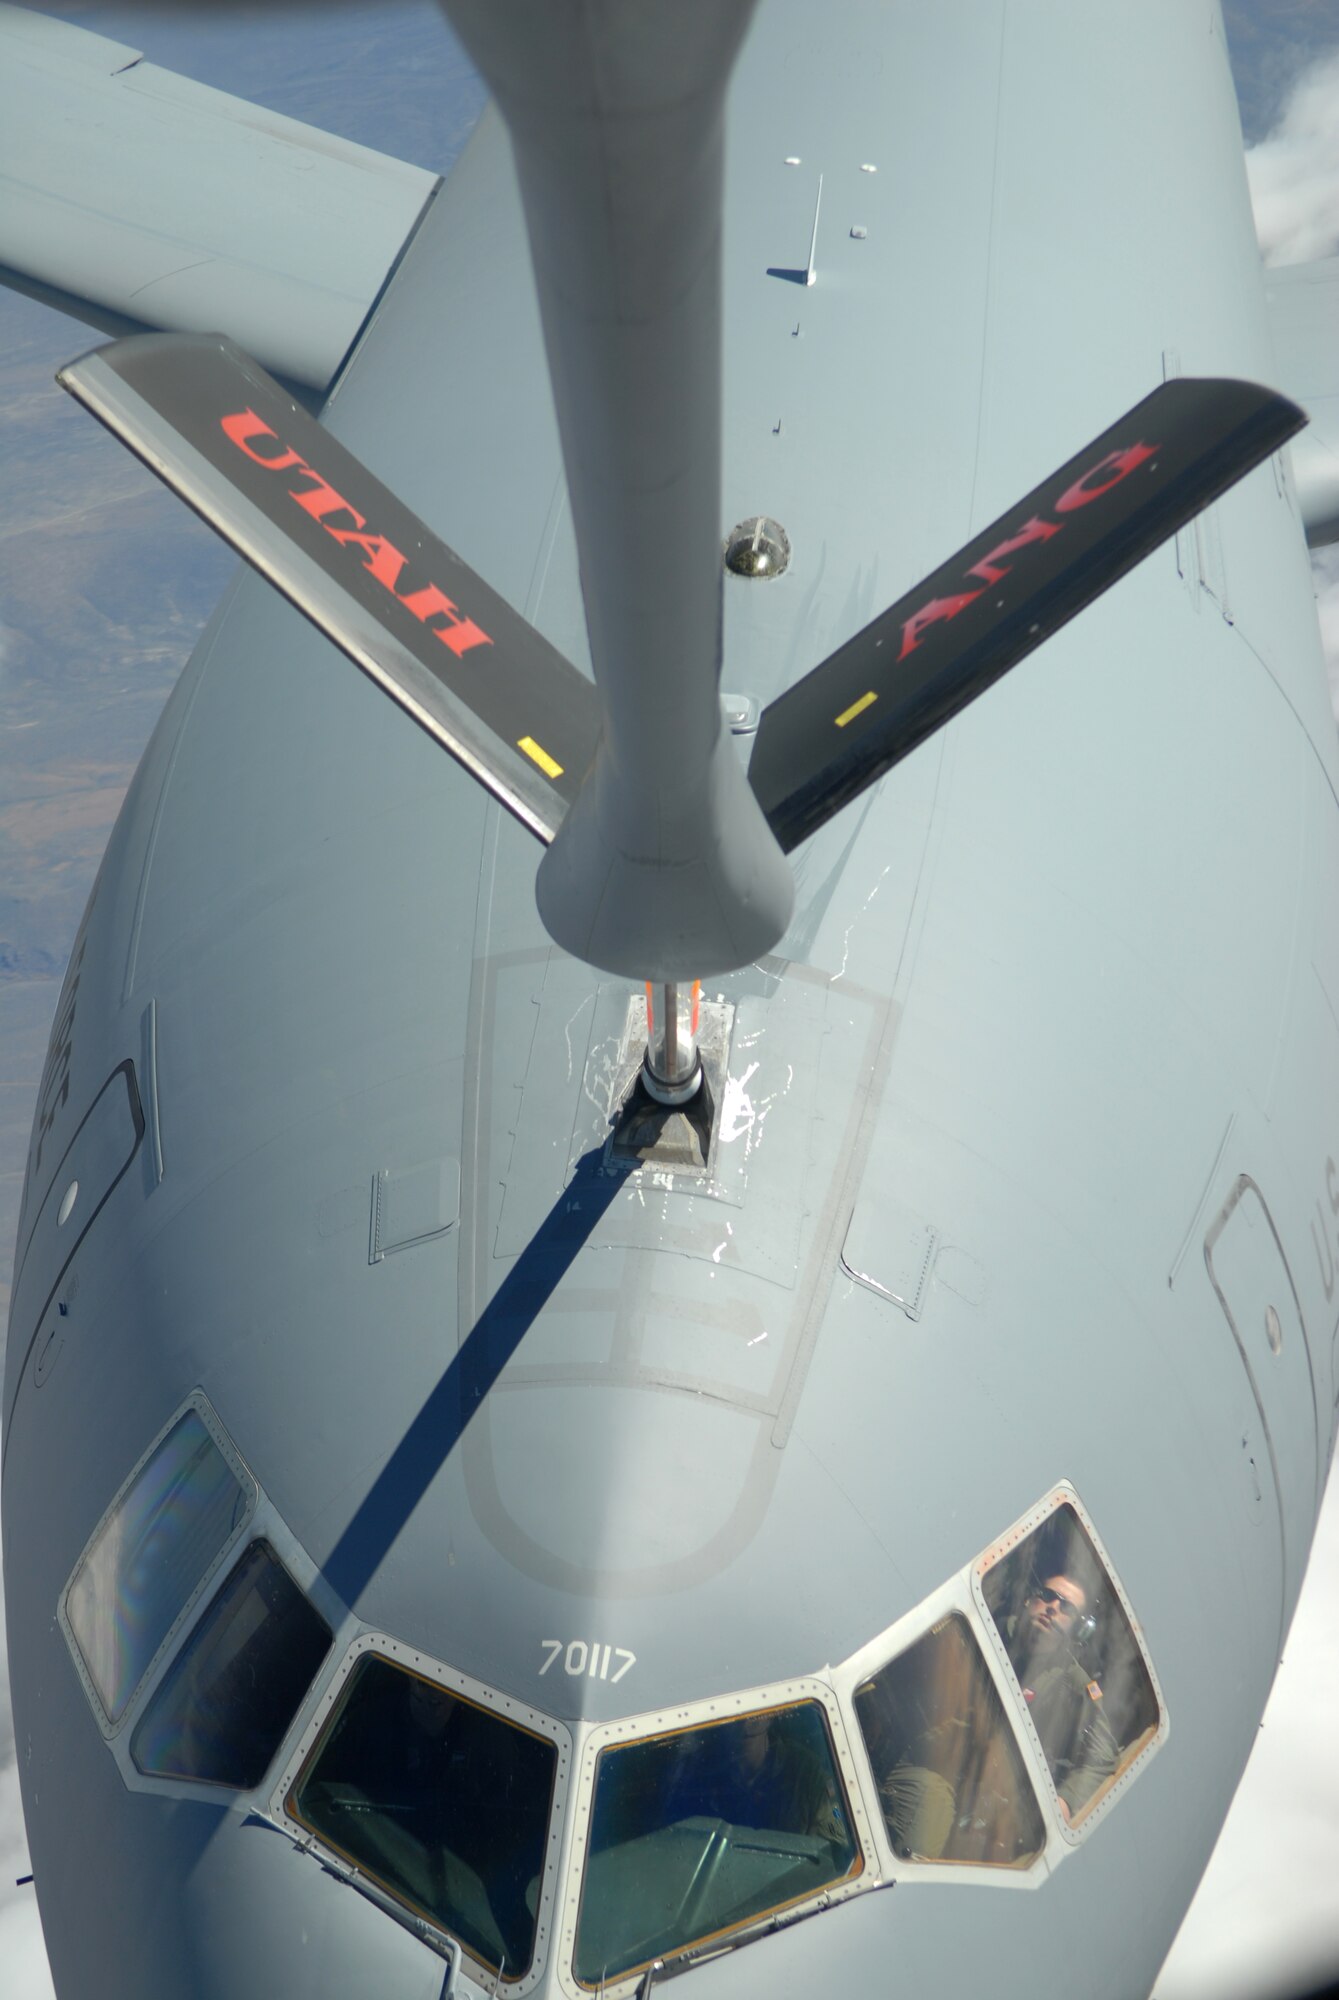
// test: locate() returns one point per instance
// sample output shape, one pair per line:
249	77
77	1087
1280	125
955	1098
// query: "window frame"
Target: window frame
216	1787
1070	1834
260	1521
952	1597
114	1728
579	1745
510	1709
866	1876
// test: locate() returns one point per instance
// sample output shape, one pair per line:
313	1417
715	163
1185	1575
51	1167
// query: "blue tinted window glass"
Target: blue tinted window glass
444	1803
226	1702
700	1831
148	1557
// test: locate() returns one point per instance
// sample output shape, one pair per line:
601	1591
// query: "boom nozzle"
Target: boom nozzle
672	1067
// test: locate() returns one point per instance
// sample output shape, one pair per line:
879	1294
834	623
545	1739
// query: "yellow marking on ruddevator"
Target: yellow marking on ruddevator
548	765
856	708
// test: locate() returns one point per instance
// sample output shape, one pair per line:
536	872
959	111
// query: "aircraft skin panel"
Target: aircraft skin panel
338	932
140	199
824	369
1314	1014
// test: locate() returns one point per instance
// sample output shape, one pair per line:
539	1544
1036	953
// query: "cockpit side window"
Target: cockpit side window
950	1778
1061	1621
442	1802
698	1831
222	1710
159	1541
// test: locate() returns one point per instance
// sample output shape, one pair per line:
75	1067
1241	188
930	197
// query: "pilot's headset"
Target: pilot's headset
1073	1560
1085	1626
1085	1630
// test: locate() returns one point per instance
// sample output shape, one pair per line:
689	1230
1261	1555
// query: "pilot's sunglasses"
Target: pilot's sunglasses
1045	1595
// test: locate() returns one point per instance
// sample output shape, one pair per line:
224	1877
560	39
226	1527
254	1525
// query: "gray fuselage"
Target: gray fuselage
1050	990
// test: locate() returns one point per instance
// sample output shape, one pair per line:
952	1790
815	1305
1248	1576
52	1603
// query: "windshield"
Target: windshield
226	1702
697	1832
951	1781
1088	1693
159	1540
442	1802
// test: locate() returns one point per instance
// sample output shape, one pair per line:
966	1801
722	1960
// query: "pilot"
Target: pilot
1064	1700
918	1806
742	1773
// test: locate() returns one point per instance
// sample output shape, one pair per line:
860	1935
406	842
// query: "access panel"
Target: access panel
1250	1275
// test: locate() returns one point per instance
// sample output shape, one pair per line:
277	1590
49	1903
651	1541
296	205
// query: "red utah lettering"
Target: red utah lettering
244	425
460	634
382	559
322	499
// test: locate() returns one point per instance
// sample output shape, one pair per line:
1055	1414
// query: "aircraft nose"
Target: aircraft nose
259	1914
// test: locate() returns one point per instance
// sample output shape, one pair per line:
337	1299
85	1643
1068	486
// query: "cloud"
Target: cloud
1264	1921
1325	570
1294	181
1294	173
24	1974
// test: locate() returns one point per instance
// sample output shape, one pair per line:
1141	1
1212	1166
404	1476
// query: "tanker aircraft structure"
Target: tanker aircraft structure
697	1338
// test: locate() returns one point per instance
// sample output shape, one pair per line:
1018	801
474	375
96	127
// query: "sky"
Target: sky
105	583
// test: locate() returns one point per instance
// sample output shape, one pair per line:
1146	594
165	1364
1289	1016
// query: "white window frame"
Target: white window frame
119	1728
697	1715
381	1646
1062	1494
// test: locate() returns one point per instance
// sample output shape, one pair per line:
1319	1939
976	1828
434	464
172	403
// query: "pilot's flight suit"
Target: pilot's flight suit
1065	1708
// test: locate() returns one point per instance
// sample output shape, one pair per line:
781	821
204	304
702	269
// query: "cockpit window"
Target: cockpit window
1088	1692
442	1802
225	1704
696	1832
950	1779
156	1546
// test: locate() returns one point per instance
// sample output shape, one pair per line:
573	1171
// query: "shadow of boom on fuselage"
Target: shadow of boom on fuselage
475	1367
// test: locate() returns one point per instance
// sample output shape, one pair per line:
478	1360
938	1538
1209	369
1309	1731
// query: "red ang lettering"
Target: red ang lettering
991	570
1117	465
931	614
